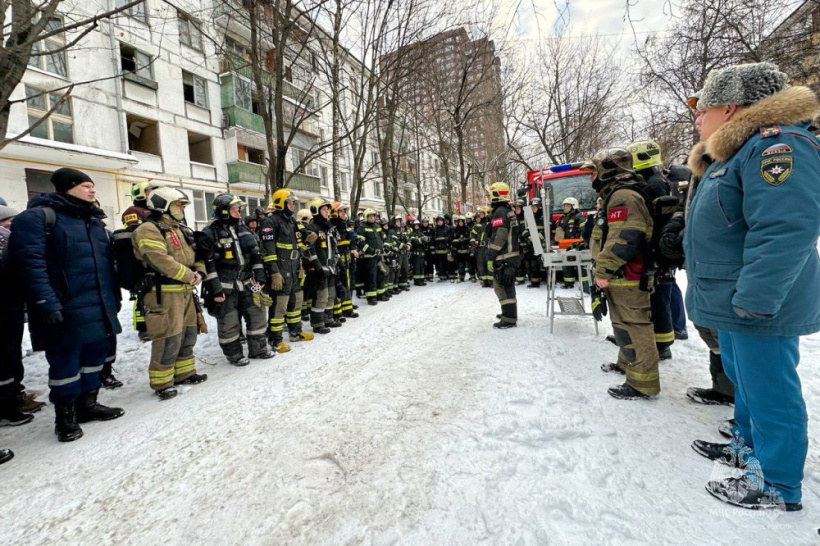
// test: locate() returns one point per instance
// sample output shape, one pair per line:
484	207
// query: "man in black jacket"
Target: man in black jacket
503	256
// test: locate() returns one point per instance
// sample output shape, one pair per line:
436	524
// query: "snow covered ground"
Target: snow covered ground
414	424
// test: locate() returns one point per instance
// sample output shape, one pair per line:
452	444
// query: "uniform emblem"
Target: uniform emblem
770	131
779	148
498	222
130	218
617	214
776	170
228	255
718	174
173	237
267	229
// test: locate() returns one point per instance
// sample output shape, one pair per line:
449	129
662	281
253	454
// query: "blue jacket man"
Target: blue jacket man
63	253
752	278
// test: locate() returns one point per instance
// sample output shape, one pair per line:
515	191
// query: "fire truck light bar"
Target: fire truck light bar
561	168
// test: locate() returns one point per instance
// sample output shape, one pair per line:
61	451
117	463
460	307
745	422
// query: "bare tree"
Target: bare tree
23	38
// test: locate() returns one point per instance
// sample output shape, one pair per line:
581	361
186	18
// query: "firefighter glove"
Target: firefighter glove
599	306
276	282
490	266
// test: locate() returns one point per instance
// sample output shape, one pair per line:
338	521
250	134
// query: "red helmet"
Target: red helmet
410	218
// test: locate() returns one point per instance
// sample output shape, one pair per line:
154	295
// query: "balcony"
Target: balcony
239	117
252	173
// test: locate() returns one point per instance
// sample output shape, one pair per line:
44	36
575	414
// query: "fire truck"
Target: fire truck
562	181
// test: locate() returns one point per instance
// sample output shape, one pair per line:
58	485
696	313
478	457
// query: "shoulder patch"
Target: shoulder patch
770	131
498	222
779	148
718	173
617	214
776	170
267	229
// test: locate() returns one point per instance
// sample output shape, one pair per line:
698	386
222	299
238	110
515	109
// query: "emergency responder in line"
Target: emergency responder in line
570	226
304	219
430	255
536	266
647	163
401	240
523	244
461	246
619	240
324	256
235	278
60	237
165	245
441	246
471	268
139	210
387	269
344	295
478	242
369	244
503	254
280	255
751	279
418	251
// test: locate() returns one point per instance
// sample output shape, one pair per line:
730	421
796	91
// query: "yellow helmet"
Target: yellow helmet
280	197
499	192
369	212
317	204
138	190
645	154
304	216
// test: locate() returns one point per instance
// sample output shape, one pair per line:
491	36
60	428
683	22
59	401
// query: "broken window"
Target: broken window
189	33
143	135
199	148
195	89
135	63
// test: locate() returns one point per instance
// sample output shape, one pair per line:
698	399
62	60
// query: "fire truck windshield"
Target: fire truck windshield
577	186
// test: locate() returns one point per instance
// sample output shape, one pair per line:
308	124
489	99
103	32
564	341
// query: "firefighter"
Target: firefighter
430	256
471	263
323	258
441	246
647	163
570	226
523	244
461	246
619	242
478	242
369	244
344	296
139	210
401	240
280	255
418	250
298	308
165	245
503	255
536	267
234	281
387	265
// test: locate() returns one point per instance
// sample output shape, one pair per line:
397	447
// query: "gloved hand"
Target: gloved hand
55	317
276	282
311	238
671	239
490	266
746	314
260	299
599	306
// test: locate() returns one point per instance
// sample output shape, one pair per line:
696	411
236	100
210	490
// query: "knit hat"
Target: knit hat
7	212
742	84
64	179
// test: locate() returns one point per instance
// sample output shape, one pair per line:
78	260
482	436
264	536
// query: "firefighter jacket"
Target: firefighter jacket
280	246
231	257
166	247
135	215
571	225
461	240
441	239
323	254
389	247
429	232
343	240
504	236
620	238
369	240
400	239
418	242
478	234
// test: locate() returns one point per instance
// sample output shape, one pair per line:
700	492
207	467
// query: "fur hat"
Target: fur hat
64	179
742	84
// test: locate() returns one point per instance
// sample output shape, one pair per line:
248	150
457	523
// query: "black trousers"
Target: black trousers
661	301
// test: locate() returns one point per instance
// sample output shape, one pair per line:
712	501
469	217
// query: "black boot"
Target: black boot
743	492
611	339
6	455
722	453
609	367
627	392
65	420
709	397
167	393
665	354
88	409
108	381
330	320
239	360
193	379
380	297
372	301
10	416
501	325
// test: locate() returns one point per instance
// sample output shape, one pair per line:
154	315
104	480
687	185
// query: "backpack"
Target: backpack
129	270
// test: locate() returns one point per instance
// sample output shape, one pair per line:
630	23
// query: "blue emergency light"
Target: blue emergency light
561	168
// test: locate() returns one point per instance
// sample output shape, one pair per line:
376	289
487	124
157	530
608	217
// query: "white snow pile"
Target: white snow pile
416	423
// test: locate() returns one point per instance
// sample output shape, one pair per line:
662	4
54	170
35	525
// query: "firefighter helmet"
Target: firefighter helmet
645	154
416	223
337	206
520	202
440	217
426	219
317	204
280	197
612	162
410	219
162	198
383	221
499	192
304	216
470	216
138	190
369	212
399	218
536	202
571	201
222	205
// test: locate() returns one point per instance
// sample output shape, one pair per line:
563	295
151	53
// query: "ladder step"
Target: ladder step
571	306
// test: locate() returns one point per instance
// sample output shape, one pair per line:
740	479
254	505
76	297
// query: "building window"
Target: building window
189	33
300	165
38	182
137	12
323	177
377	188
195	89
143	135
59	125
343	181
203	209
199	148
252	203
55	62
136	65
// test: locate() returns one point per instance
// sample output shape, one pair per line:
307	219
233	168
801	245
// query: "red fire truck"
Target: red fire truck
562	181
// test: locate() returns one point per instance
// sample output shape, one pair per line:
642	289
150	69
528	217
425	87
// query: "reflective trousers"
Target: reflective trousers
629	311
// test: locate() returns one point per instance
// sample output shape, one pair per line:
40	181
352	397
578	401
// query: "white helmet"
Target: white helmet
161	198
470	216
571	201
